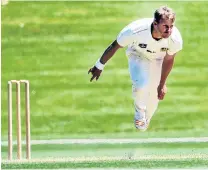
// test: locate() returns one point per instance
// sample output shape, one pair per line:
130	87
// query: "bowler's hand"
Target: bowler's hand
95	73
161	91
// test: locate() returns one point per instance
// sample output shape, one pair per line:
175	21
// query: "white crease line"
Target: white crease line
114	141
112	158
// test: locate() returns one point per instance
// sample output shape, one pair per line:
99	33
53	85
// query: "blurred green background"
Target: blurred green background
53	44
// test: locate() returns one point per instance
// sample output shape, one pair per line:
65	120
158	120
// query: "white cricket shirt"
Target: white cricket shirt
137	36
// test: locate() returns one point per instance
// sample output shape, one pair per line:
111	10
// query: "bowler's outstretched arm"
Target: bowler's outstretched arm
99	66
109	52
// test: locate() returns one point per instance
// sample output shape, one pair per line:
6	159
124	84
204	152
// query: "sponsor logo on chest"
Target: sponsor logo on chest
143	45
151	51
164	49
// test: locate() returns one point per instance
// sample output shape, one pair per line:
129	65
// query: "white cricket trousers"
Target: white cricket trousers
145	75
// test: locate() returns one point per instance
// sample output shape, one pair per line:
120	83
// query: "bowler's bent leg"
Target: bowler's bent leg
152	105
139	73
140	98
155	74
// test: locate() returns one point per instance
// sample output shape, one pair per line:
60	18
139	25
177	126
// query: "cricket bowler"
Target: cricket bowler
152	44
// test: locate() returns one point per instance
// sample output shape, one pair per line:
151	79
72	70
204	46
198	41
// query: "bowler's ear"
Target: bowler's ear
155	22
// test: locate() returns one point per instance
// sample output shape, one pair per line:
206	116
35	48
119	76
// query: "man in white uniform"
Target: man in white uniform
152	46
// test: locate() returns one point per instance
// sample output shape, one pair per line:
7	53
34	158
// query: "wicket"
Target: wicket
18	114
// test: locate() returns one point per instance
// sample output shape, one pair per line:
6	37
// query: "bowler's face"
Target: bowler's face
165	27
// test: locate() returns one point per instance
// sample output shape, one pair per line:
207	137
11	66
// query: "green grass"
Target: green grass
159	155
53	44
192	163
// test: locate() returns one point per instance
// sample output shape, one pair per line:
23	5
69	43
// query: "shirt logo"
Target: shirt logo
151	51
143	45
164	49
